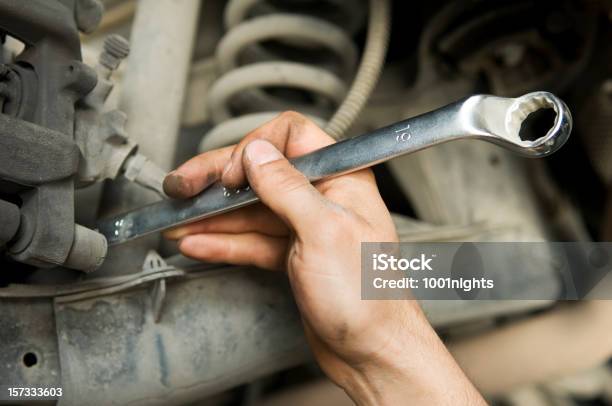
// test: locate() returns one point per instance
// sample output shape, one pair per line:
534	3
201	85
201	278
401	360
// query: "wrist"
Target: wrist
414	367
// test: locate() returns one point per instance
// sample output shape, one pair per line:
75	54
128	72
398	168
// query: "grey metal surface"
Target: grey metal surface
88	250
39	89
29	355
10	218
494	119
215	332
31	154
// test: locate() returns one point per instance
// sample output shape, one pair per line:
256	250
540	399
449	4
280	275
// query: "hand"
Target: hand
378	351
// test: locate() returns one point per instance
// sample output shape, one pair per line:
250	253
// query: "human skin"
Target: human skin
379	352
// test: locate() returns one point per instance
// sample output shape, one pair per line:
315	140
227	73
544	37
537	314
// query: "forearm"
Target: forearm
417	370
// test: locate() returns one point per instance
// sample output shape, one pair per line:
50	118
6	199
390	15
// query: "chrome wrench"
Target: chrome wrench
489	118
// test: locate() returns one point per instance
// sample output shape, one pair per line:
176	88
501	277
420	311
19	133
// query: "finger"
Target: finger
238	249
197	174
256	218
290	132
282	188
343	189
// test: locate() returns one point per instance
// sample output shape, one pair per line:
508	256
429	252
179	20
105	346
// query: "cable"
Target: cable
372	62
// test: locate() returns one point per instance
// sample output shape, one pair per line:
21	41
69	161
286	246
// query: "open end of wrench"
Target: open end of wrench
518	124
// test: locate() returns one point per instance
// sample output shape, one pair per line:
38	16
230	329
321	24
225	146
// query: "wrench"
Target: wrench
489	118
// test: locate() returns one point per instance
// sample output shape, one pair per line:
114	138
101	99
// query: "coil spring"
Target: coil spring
279	61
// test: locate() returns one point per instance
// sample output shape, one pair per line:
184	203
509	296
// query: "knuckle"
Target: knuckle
301	129
297	123
229	248
292	116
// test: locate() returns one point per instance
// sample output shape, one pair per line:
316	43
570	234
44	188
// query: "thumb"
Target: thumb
281	187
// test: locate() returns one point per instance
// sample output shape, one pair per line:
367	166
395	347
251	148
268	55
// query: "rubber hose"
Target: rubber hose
367	76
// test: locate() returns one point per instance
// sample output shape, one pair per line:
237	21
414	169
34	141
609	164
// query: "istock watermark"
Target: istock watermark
487	271
382	262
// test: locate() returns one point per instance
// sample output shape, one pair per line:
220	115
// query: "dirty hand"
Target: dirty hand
378	351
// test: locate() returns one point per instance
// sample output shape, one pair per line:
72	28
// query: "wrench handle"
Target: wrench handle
369	149
339	158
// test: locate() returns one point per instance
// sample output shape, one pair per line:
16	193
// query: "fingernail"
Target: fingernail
174	184
260	152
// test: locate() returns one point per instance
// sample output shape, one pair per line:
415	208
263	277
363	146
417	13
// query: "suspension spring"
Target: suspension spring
273	59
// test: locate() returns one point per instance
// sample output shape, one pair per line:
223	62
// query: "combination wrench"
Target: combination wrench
489	118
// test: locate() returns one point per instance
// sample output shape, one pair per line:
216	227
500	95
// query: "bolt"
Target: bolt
116	48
